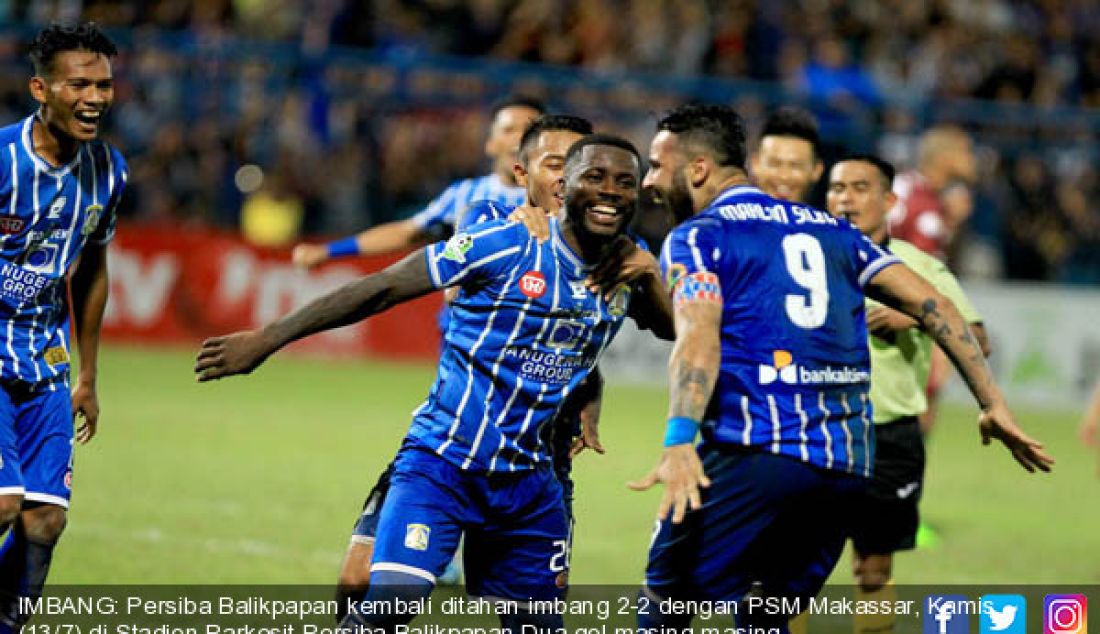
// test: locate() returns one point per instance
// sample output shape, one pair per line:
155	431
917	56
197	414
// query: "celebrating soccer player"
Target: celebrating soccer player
771	362
886	520
510	118
526	332
539	169
59	187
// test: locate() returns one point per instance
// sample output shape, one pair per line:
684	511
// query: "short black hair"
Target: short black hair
551	123
886	170
718	127
58	38
796	122
600	138
518	101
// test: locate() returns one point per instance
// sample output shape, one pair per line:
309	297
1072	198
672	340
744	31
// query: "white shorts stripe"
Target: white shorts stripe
402	568
46	498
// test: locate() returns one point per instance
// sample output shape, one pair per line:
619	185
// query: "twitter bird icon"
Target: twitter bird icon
1003	614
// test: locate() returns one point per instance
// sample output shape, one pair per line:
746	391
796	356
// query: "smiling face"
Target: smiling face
601	190
666	178
785	167
545	169
75	93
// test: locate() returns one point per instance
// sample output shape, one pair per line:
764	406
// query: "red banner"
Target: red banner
183	285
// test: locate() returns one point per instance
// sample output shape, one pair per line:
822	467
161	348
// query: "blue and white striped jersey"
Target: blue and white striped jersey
482	211
524	333
47	214
445	209
795	365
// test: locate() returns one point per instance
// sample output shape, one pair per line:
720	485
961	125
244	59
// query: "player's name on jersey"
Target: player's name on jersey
775	213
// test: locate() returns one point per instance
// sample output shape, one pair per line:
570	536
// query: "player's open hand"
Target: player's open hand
590	428
308	256
536	219
998	422
86	407
681	471
238	353
625	262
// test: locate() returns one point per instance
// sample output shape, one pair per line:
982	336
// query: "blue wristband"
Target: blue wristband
343	248
680	430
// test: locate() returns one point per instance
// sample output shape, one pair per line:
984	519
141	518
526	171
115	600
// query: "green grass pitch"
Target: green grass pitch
258	480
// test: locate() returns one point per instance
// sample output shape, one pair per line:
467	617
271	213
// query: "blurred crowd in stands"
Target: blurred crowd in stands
226	103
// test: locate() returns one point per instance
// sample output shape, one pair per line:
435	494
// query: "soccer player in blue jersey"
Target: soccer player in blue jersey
539	169
771	362
525	333
510	117
59	188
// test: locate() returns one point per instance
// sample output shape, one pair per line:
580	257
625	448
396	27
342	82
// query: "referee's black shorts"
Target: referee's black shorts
886	519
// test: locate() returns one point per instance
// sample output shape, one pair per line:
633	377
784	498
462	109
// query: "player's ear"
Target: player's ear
520	173
699	170
39	88
819	168
891	200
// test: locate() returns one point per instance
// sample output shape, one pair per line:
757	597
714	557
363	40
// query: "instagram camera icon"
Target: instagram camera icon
1065	614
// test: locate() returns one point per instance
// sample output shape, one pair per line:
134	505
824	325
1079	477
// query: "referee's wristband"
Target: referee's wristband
680	430
343	248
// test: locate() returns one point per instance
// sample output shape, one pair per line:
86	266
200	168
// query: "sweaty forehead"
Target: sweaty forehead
853	172
663	144
555	142
607	157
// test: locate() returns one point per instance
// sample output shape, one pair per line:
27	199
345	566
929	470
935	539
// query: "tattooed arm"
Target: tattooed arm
242	352
693	372
901	288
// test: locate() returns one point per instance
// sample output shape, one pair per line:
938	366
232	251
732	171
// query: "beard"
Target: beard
679	198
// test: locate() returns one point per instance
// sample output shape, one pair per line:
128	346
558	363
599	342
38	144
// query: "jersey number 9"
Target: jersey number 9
806	264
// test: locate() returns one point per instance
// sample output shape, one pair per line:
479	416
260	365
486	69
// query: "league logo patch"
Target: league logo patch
532	284
675	272
9	226
92	215
416	536
457	246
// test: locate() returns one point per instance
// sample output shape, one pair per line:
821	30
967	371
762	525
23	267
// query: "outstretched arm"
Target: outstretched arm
693	372
899	287
89	288
242	352
378	240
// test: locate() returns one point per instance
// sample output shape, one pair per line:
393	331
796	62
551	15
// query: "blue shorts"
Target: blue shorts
765	518
36	442
561	434
516	532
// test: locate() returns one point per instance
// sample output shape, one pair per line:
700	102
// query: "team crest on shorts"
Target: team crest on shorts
457	247
69	480
92	215
416	536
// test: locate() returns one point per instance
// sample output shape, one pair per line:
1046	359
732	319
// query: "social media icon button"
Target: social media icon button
1065	614
1002	614
947	614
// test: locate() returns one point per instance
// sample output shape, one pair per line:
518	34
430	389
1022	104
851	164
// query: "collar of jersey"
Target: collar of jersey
736	190
563	247
41	163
